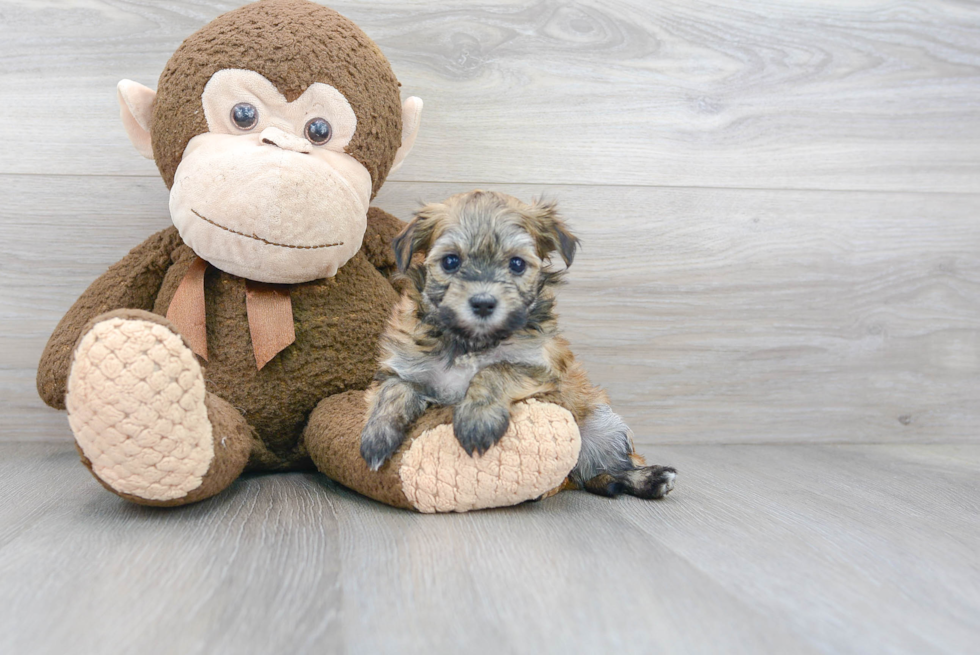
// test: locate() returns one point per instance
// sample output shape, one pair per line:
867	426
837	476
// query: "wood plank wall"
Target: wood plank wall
779	201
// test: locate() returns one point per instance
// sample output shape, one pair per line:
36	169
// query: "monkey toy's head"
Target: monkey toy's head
273	126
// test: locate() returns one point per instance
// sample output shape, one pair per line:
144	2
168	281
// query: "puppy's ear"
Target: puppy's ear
403	246
416	237
549	230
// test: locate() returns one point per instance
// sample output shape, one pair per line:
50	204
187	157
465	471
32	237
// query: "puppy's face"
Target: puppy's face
482	276
486	263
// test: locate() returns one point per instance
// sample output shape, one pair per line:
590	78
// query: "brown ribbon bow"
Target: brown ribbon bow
269	307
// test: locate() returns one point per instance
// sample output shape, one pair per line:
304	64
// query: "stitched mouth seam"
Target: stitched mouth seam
265	241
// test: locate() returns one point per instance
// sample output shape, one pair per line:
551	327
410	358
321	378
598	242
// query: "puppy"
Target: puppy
476	330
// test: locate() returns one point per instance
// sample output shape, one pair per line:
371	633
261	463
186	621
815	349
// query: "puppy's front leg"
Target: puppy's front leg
483	416
396	405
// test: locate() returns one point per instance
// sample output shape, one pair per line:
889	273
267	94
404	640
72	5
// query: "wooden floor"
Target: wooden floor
779	203
763	549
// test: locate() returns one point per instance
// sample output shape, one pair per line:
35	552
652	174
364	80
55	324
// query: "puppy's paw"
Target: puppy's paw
650	481
605	484
478	427
379	441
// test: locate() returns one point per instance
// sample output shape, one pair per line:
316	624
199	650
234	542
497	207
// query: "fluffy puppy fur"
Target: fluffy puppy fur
476	330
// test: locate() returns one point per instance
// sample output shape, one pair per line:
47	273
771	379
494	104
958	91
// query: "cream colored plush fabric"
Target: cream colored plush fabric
411	119
303	217
539	449
305	210
228	87
136	111
136	405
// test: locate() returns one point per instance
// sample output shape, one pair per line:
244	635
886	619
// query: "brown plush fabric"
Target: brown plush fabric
376	246
338	322
333	438
292	43
128	313
233	441
233	444
133	283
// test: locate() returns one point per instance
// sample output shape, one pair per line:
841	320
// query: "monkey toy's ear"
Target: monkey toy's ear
136	110
411	118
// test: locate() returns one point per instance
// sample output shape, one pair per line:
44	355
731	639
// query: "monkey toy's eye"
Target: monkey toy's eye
517	265
318	131
244	115
450	263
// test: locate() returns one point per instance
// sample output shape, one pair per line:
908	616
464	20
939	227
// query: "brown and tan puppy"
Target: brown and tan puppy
476	330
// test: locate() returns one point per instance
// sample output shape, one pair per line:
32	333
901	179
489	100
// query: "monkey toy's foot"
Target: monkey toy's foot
534	456
431	472
141	417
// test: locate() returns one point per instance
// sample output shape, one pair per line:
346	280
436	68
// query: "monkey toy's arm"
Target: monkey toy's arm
382	228
131	283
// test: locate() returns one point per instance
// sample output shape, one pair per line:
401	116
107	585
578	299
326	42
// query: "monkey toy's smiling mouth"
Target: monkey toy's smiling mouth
265	241
268	214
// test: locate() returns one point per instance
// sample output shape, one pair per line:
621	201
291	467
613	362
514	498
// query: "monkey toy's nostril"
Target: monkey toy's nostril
483	305
273	136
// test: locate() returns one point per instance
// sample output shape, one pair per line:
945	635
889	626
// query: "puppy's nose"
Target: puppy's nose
483	304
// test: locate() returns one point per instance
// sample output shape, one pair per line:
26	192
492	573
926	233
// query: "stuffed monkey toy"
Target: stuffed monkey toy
242	337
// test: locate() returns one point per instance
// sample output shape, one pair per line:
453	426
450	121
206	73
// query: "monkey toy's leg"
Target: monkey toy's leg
143	421
483	416
607	464
430	471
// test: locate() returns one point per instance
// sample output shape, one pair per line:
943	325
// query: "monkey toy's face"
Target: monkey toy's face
268	192
274	126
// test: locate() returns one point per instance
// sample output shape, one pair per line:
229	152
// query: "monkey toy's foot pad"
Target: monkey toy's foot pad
136	405
533	457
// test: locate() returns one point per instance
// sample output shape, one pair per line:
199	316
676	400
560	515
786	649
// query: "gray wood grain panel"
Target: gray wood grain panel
834	549
710	315
841	95
764	316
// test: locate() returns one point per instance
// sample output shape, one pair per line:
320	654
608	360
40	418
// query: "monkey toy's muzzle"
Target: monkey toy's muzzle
267	213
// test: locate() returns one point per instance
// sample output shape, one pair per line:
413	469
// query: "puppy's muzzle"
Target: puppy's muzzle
483	304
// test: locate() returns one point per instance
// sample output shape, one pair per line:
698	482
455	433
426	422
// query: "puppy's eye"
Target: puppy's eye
318	131
450	263
517	265
244	115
